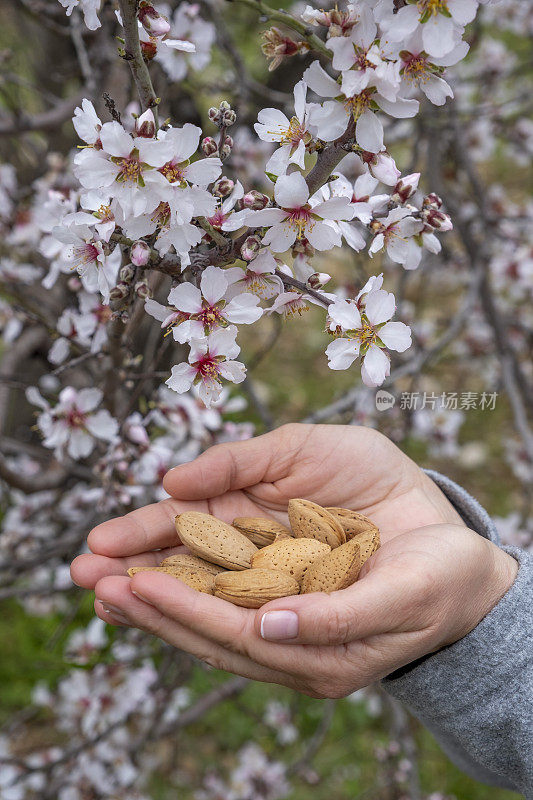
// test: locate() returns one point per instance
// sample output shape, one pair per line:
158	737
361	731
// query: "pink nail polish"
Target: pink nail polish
279	625
115	612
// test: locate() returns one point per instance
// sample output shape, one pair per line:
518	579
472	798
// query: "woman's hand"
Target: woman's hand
334	465
420	591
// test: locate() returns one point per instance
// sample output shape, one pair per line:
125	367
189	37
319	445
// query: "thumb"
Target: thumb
378	603
230	466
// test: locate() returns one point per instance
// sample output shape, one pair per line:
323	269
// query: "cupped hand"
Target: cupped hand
420	591
334	465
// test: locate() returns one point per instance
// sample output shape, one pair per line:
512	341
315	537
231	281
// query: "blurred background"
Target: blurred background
90	712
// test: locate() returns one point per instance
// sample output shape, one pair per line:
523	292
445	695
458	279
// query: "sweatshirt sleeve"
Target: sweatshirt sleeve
476	696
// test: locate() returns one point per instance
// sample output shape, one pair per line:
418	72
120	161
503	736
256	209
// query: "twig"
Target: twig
133	55
282	16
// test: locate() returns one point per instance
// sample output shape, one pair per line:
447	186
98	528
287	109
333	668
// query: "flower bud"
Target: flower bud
229	118
317	280
432	199
119	292
405	188
437	219
140	253
209	146
214	115
149	49
127	273
142	290
153	23
223	187
145	125
225	151
255	200
250	247
228	141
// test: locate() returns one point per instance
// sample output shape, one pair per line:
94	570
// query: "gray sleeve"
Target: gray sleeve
476	696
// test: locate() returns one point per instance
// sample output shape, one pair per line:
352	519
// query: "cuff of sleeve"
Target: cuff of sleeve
468	685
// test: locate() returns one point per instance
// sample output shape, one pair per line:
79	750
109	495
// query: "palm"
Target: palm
333	465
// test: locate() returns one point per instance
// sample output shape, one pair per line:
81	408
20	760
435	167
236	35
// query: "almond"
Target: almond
252	588
311	521
368	542
352	522
260	531
292	556
214	540
198	579
191	562
335	571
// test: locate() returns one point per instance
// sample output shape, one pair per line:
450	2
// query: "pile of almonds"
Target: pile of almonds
256	560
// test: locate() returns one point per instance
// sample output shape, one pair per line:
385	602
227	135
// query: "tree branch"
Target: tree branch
134	56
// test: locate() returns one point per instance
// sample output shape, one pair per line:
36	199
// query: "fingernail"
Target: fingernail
115	612
277	625
141	597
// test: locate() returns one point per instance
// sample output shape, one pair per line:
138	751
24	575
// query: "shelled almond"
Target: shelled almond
256	560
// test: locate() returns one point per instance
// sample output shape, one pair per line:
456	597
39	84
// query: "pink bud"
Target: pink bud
255	200
437	219
145	125
223	187
209	146
142	290
119	292
250	247
153	23
405	188
432	199
140	253
317	280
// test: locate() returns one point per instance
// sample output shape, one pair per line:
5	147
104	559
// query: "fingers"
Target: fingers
145	529
115	603
221	622
86	570
236	465
373	605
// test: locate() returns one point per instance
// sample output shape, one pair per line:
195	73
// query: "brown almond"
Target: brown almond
191	562
198	579
311	521
252	588
260	531
335	571
292	556
352	522
368	542
214	540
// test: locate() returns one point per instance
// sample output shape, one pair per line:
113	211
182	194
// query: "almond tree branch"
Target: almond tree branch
282	16
133	55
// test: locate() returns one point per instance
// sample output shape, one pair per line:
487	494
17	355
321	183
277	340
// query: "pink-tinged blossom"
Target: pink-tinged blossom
296	219
186	25
331	119
210	359
394	233
195	313
418	70
126	167
86	254
365	331
73	424
258	277
89	8
291	134
442	22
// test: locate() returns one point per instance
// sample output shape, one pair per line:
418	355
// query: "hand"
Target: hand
375	626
